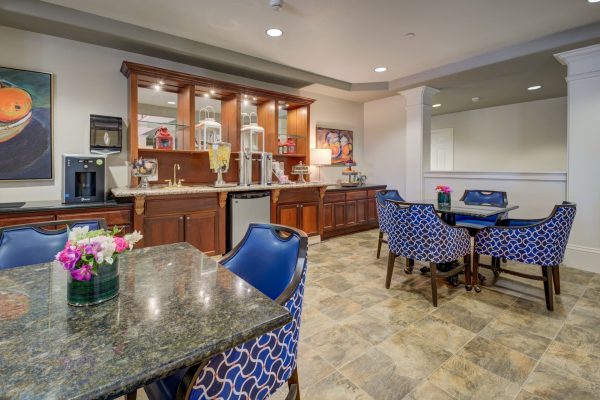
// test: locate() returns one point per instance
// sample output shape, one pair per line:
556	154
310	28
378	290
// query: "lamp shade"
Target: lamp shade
320	156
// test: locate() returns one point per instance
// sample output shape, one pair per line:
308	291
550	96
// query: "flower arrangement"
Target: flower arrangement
443	189
86	250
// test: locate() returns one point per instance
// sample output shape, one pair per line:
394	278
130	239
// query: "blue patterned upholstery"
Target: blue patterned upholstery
481	197
30	244
381	197
257	368
543	243
418	233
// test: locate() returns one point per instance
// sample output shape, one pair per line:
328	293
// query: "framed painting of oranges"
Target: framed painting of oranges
340	141
25	125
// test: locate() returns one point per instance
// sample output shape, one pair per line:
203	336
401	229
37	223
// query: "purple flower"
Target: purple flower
82	274
68	257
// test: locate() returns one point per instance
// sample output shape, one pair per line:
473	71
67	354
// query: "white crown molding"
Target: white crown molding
581	54
547	176
422	95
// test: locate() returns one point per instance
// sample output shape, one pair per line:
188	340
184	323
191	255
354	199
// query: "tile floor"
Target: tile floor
361	341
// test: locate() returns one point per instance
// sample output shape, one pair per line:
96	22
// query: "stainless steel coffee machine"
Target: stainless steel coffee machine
84	178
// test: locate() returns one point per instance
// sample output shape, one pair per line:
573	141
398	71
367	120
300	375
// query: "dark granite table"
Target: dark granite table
176	308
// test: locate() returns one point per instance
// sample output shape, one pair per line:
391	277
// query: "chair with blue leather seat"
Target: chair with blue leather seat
543	243
481	198
39	242
418	233
272	258
381	196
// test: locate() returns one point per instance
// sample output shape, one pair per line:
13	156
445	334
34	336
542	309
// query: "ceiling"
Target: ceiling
488	49
347	39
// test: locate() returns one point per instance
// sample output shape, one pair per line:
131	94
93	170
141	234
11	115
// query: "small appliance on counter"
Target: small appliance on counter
300	170
83	178
106	134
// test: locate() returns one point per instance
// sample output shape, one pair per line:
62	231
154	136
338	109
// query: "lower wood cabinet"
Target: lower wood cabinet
198	220
350	210
304	216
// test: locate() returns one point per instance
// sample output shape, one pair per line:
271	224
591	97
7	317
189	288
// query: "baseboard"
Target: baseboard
314	239
582	257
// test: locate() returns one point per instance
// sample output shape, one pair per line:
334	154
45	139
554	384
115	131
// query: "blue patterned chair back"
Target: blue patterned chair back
31	244
483	198
381	198
420	234
542	243
396	215
259	367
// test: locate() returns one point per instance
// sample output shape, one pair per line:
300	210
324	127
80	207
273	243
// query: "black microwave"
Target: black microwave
106	134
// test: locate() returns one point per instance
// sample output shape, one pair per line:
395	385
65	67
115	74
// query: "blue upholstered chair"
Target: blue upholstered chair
381	196
481	198
541	243
32	244
417	232
272	258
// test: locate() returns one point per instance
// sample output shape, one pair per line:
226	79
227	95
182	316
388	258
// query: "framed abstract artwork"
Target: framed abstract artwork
339	141
25	125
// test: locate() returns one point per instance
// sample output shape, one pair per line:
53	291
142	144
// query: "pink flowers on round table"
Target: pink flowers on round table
443	189
86	251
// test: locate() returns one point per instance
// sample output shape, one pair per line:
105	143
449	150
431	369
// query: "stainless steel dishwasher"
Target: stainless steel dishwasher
246	208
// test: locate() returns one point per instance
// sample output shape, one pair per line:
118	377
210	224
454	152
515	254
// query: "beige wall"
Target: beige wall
87	81
522	137
385	142
330	112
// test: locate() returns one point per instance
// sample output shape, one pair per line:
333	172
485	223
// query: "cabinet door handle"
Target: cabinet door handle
188	218
301	206
181	218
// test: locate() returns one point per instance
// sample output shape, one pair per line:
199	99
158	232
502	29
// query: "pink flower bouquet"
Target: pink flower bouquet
443	189
86	250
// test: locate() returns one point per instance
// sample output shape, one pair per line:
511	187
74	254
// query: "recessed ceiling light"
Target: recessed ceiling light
171	102
279	107
534	87
475	99
380	69
212	91
593	1
156	87
274	32
206	95
436	105
161	82
410	35
287	105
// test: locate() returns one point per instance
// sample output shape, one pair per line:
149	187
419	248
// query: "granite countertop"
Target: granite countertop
176	307
192	189
51	205
333	188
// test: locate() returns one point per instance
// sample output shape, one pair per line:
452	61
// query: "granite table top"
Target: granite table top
192	189
176	307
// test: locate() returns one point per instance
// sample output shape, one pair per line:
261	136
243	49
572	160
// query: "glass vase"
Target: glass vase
101	287
444	199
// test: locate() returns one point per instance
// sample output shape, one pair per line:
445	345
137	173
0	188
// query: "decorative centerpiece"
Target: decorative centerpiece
143	168
91	257
300	170
443	195
218	158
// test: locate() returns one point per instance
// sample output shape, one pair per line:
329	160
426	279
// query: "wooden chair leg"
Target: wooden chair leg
556	276
390	269
548	280
468	282
408	268
379	244
294	381
475	273
433	269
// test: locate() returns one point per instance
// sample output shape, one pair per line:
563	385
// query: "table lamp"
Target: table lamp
320	157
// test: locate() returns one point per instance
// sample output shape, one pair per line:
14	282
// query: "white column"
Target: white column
583	148
418	138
